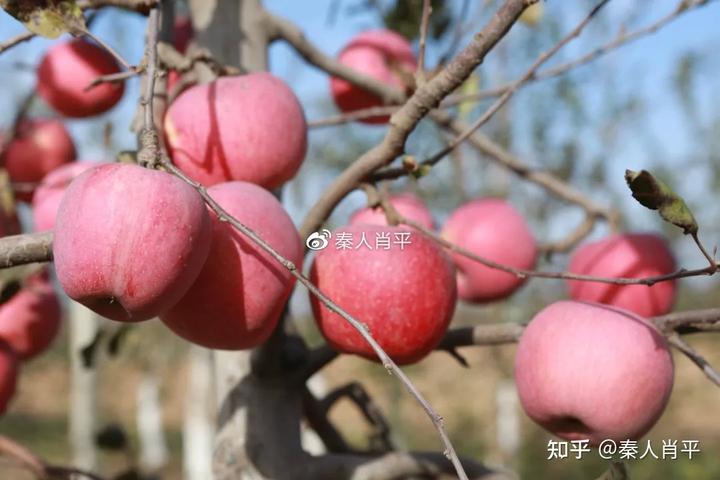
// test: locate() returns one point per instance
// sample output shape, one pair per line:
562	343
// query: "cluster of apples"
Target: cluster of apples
593	367
134	244
588	368
40	161
29	322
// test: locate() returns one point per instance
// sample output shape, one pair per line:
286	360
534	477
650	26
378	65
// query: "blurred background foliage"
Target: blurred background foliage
652	104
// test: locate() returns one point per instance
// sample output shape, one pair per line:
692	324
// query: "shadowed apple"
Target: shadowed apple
625	256
239	295
250	128
50	192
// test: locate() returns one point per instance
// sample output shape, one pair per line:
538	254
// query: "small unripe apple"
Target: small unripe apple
39	146
407	205
627	256
129	241
9	369
239	295
30	319
250	128
380	54
47	197
65	72
405	294
589	371
490	228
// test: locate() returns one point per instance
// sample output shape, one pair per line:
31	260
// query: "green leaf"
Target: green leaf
656	195
47	18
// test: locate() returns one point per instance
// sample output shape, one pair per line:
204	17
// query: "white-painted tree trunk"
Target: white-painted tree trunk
82	325
198	418
508	420
149	422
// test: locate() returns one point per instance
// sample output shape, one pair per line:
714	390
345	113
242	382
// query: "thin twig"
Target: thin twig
109	49
695	357
360	327
505	97
152	41
623	38
280	28
394	217
457	33
355	392
424	22
424	99
696	239
114	77
16	40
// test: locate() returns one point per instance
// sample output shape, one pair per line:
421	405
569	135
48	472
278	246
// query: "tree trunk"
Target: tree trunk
231	30
198	426
83	325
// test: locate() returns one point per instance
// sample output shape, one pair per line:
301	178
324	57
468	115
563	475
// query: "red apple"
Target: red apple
380	54
183	33
182	36
629	256
589	371
47	197
250	128
129	241
407	205
405	294
65	72
490	228
39	146
238	298
9	369
30	320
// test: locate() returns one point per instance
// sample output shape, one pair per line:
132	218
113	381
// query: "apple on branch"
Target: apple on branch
129	241
30	319
380	54
66	71
633	255
405	294
49	193
250	128
490	228
590	371
240	293
39	146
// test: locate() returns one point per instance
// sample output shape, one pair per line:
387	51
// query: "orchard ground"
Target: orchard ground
466	397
